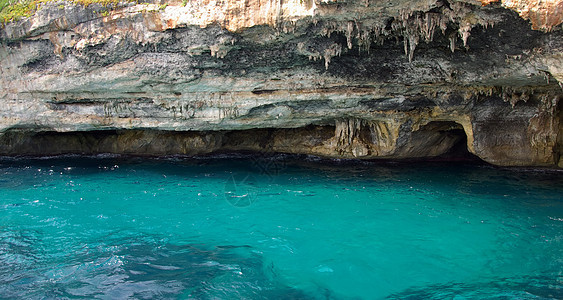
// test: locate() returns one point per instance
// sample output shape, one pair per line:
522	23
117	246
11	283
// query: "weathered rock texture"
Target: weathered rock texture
352	79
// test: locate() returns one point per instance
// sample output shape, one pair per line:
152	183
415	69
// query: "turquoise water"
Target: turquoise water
279	227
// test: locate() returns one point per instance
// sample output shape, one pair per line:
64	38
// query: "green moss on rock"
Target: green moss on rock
14	10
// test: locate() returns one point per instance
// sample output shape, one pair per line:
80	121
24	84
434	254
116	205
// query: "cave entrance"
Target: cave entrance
445	140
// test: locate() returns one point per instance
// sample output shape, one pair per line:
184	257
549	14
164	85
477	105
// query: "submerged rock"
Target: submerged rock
343	79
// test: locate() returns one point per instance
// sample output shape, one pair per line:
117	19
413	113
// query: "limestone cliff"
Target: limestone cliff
336	78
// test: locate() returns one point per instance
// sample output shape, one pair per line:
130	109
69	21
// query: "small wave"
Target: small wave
166	268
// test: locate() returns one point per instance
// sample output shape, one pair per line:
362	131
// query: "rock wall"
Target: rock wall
345	79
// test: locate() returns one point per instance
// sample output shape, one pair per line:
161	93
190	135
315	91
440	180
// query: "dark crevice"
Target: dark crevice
559	144
435	141
438	140
260	92
459	150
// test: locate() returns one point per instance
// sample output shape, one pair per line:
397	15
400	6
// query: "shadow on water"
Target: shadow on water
537	287
140	268
469	176
20	251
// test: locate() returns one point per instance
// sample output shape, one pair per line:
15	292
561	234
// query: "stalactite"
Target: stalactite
330	52
542	126
413	42
416	26
364	40
431	20
452	39
514	96
346	131
327	52
349	30
412	26
351	138
465	32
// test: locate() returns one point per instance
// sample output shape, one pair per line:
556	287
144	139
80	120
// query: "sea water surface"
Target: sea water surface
278	227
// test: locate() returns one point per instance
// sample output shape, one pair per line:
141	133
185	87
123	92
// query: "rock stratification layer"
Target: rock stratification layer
345	79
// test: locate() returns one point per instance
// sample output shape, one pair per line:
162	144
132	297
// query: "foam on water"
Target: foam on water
277	227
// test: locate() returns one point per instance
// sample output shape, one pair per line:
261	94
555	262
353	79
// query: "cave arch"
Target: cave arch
438	139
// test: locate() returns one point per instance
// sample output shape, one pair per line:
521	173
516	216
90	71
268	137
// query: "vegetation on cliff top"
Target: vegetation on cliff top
13	10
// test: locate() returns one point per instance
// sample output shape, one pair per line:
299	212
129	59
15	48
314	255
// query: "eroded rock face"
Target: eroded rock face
543	14
345	79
